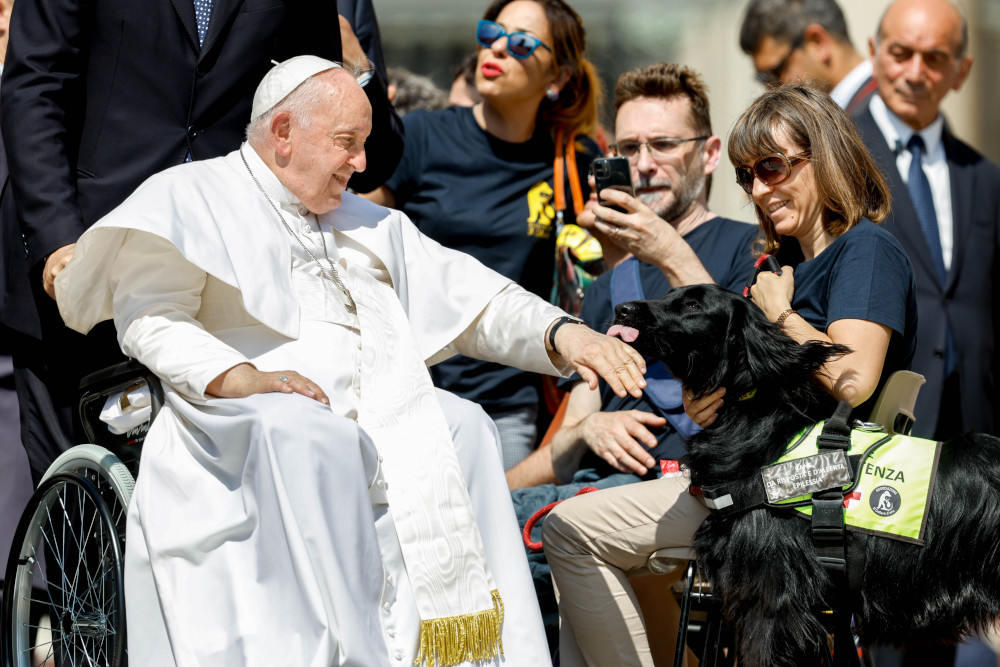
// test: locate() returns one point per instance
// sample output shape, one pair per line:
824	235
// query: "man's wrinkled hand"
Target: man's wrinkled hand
593	354
54	264
245	380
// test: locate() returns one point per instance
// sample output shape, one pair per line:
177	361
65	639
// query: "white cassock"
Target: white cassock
274	530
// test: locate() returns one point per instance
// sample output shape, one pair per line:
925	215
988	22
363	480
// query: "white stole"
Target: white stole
460	608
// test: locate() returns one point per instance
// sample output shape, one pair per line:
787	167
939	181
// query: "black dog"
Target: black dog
762	561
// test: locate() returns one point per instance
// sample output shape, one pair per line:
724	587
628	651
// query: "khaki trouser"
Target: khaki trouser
593	543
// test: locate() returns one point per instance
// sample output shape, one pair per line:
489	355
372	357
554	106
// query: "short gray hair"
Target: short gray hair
415	91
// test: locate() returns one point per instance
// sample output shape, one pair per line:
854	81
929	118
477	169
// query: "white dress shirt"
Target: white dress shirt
897	134
848	87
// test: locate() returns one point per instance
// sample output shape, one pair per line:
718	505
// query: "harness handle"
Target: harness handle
836	432
763	263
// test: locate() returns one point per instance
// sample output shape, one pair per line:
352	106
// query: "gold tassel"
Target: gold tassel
457	639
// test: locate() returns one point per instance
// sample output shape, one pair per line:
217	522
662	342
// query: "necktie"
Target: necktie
202	13
920	193
923	202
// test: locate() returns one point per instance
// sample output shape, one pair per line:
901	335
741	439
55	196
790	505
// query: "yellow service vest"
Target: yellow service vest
896	481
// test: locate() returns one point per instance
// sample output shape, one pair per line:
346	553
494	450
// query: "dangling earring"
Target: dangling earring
552	94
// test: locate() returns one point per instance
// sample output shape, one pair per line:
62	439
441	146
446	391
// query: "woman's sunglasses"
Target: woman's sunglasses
519	44
770	170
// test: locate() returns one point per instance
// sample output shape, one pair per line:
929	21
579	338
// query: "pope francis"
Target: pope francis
306	496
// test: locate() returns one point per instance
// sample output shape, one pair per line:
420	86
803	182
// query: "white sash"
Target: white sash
460	608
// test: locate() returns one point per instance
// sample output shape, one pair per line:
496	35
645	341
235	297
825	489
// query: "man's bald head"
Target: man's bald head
919	55
947	8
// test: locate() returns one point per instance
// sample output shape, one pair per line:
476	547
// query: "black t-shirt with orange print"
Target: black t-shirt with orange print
493	200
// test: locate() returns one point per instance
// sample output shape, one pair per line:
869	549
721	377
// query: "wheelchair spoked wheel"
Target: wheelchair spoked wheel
80	590
66	567
106	472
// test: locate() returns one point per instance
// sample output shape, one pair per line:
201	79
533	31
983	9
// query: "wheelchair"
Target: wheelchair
63	598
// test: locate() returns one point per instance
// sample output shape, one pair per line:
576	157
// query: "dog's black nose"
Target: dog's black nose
623	311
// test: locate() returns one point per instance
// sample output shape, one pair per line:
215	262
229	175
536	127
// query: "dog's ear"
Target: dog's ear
701	358
730	368
773	355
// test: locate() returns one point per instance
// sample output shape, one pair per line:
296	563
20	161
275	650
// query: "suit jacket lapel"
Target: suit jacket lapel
185	12
962	179
902	220
222	16
861	95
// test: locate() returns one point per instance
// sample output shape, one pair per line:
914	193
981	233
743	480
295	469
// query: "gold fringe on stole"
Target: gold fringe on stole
457	639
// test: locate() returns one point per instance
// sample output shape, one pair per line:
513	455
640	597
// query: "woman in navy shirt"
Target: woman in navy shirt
817	195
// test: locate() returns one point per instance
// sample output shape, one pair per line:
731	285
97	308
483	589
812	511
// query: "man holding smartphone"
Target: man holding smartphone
663	236
670	238
614	173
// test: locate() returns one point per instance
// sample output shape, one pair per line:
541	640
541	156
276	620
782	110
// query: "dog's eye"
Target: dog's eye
692	304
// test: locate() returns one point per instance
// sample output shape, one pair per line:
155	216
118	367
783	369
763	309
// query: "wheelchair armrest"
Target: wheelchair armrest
97	386
128	369
894	407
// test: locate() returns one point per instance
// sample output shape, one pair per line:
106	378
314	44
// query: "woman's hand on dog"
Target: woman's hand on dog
593	354
702	409
622	438
773	293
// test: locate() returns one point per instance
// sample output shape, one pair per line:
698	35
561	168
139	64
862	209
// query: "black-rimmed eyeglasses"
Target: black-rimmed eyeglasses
661	147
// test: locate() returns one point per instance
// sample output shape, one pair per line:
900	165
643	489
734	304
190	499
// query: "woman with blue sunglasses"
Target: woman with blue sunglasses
482	180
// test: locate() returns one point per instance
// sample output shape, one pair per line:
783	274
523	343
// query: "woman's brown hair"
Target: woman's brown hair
849	183
576	108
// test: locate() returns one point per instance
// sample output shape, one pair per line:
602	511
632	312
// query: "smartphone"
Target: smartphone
612	172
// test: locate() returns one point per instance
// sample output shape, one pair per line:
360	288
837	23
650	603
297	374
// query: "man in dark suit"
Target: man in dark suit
792	40
15	482
945	212
99	95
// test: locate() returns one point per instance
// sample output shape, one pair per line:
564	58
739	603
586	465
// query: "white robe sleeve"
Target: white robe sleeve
511	330
157	294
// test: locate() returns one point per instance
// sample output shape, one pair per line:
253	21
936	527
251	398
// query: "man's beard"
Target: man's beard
684	193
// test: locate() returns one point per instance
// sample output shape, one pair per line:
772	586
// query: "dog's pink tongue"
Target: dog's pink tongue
627	334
